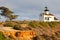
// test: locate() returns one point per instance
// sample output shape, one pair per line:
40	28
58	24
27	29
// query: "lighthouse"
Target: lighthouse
47	16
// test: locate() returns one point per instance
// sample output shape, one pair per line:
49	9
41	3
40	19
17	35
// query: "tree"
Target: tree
7	13
13	17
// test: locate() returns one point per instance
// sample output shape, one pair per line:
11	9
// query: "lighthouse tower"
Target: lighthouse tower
46	16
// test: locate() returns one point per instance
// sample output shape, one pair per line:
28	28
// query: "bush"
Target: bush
32	24
9	24
17	27
2	37
44	24
52	24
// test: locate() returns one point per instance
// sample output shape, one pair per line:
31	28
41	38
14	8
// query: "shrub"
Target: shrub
32	24
52	24
44	24
2	37
8	24
17	27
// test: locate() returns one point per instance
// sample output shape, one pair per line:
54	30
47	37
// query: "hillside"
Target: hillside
30	30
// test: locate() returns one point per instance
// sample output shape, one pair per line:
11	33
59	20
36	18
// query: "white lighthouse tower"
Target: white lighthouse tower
46	16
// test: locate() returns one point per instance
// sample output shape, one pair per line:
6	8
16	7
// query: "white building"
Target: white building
46	16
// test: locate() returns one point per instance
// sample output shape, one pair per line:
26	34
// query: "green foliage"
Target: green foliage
6	12
44	24
9	24
34	24
12	17
52	24
2	37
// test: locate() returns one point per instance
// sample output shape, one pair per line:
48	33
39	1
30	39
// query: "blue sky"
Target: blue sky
30	9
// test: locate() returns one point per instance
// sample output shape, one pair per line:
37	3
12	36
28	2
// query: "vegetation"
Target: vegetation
44	24
33	24
52	24
42	27
17	27
2	37
9	24
6	12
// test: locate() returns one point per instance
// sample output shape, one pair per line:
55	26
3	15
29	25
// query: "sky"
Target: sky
31	9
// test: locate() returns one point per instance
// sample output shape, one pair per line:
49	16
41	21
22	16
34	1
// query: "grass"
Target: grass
32	23
44	24
9	24
52	24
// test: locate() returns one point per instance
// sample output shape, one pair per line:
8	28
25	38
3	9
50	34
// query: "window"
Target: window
47	18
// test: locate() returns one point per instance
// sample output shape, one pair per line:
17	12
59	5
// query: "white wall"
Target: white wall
50	19
41	18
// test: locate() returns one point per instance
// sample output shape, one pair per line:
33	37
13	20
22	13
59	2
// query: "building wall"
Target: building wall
41	17
51	18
